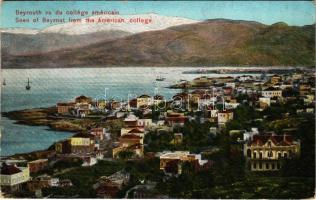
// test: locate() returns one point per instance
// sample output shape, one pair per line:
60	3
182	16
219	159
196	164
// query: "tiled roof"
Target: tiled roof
9	169
278	140
131	136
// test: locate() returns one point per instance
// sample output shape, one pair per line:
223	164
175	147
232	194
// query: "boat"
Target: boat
28	87
4	83
160	78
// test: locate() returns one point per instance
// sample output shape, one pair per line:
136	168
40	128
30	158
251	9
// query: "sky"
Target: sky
267	12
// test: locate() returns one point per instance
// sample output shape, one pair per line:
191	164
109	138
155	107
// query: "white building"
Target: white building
12	177
272	92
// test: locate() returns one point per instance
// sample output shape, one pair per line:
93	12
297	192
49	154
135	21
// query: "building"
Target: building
83	100
130	142
224	116
99	133
175	119
144	101
266	152
63	147
109	186
82	143
41	182
12	177
264	102
37	165
171	162
65	108
271	92
275	79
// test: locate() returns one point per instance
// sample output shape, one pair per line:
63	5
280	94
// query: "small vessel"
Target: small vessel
160	78
4	83
28	87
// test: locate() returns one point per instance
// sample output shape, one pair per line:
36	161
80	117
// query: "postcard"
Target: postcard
158	99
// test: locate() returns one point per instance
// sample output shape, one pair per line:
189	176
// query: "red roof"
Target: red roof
9	169
278	140
131	136
135	130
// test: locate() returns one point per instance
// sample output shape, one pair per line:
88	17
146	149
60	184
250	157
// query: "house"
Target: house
266	152
114	105
109	186
227	90
38	165
101	104
83	100
63	147
171	162
275	79
82	143
131	121
175	119
146	122
130	142
144	101
82	110
65	108
99	133
12	177
264	102
271	92
249	135
224	116
41	182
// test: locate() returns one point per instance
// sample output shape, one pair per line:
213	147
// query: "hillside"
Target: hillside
212	42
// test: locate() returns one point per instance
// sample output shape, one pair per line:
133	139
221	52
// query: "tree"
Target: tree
126	154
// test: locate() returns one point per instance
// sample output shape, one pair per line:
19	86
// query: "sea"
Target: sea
52	85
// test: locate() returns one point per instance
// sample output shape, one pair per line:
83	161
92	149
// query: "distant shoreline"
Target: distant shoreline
197	67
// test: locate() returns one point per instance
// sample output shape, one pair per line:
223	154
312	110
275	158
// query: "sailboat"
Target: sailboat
160	78
28	87
4	83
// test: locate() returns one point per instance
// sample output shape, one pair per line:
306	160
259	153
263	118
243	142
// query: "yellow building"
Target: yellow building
224	116
266	152
275	79
144	101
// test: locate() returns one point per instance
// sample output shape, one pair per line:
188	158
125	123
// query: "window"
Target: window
267	166
254	165
254	155
270	154
260	165
279	155
278	166
272	166
248	153
285	155
260	155
290	153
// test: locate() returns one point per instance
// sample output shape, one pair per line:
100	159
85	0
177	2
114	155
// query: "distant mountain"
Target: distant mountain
158	22
20	41
16	43
212	42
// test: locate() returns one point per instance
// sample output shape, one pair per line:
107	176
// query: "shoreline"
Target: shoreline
163	66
